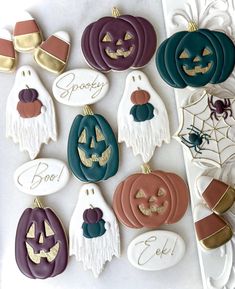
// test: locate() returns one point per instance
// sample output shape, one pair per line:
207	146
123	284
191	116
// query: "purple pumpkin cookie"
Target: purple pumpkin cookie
119	42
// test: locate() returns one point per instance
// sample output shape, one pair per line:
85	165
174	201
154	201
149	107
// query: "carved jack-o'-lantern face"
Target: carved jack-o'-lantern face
41	244
92	148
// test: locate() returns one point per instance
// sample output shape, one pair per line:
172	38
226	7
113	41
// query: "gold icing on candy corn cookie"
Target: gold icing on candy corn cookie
212	230
7	52
218	195
53	53
27	34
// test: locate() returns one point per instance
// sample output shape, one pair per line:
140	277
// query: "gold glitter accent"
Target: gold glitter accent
128	36
27	42
184	55
99	135
48	230
119	52
197	69
145	169
48	61
82	138
89	161
87	110
115	12
225	202
31	232
107	38
37	203
41	239
140	194
192	26
151	209
7	64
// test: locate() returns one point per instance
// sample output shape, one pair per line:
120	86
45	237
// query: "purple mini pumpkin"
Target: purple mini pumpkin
92	216
28	95
119	42
41	248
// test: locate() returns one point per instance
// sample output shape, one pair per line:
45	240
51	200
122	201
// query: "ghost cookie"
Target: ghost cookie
27	34
7	52
195	57
41	247
118	42
53	53
142	117
212	230
93	231
150	199
30	115
218	196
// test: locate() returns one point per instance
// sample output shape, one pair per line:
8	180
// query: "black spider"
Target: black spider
220	107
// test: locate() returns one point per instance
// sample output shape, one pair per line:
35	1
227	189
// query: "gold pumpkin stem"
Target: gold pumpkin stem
87	110
145	169
192	26
115	12
37	203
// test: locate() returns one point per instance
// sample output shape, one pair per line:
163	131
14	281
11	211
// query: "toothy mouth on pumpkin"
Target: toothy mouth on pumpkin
88	162
152	209
197	69
121	52
36	257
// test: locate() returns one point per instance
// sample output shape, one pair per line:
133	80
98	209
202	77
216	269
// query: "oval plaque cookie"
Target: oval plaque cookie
156	250
80	87
41	176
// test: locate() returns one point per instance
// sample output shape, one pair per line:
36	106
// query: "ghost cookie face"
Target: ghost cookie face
93	231
119	42
142	117
27	34
30	116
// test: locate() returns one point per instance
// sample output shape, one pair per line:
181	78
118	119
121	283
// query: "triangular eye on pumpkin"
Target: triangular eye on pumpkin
128	36
99	135
184	54
206	51
107	38
82	137
48	230
31	232
140	194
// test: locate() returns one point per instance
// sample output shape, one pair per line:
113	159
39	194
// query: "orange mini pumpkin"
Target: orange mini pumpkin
29	109
140	96
150	199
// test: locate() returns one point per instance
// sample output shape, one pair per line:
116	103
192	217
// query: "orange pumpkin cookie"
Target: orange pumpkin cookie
150	199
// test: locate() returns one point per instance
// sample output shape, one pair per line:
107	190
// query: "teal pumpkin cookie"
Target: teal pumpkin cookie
195	57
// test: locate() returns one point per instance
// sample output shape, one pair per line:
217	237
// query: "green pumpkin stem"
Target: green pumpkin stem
37	203
145	169
192	26
87	110
27	86
115	12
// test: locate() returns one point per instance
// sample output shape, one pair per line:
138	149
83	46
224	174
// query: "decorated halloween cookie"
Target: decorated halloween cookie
195	57
212	230
156	250
207	129
41	248
80	87
7	52
42	176
93	231
27	34
53	53
92	147
150	199
142	117
30	116
118	42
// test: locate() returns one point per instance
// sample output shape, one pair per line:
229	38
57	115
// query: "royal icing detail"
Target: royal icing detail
80	87
93	231
142	117
30	115
41	177
156	250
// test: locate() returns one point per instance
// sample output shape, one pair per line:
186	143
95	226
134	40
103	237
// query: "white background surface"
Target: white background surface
73	16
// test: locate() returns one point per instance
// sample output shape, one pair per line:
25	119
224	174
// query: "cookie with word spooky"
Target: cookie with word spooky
30	115
142	117
93	231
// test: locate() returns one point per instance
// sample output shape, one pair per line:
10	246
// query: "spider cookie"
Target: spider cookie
118	42
142	117
7	52
150	199
27	34
195	57
30	115
206	129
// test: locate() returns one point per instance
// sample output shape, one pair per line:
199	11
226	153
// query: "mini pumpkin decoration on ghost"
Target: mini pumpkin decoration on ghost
119	42
41	248
195	57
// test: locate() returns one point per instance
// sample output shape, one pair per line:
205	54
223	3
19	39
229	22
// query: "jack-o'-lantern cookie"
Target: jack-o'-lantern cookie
7	52
142	117
30	115
41	248
118	42
93	231
150	199
27	34
195	57
92	147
